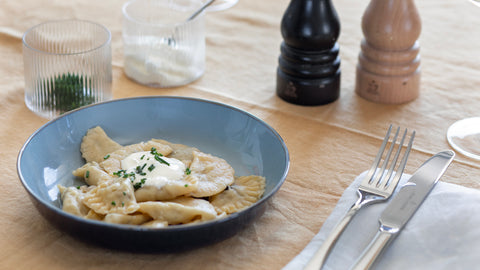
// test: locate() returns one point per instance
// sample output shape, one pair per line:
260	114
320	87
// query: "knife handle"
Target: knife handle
321	254
376	246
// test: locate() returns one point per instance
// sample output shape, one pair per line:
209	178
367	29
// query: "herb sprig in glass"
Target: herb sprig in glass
68	92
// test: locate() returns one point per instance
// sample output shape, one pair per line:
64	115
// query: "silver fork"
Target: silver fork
377	186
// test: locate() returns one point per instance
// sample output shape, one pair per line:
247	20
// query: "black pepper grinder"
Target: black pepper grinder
309	64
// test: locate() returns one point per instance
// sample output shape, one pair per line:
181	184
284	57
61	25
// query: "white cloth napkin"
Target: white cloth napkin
444	232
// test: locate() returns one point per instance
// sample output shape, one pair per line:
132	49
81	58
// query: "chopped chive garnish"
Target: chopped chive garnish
154	152
188	171
113	203
87	174
78	187
139	184
139	169
124	193
186	185
151	168
119	173
106	157
161	160
158	156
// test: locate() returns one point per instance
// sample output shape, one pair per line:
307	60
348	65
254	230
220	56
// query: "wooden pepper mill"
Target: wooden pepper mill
309	65
388	69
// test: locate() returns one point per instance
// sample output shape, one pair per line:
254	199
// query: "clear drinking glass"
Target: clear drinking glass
464	135
161	47
67	64
221	5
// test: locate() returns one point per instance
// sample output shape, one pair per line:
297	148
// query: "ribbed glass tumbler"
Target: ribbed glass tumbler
67	65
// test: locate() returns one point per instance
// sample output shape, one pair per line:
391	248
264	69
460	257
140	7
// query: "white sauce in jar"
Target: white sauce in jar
161	62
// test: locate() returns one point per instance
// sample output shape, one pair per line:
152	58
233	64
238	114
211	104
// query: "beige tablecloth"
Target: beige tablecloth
329	145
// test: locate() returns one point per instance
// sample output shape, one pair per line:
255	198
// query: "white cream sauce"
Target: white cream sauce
154	172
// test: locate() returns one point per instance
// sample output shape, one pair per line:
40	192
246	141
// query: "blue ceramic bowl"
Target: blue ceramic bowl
50	155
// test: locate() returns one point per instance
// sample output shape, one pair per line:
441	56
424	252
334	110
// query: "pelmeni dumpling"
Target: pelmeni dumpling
94	215
72	200
112	197
92	174
165	189
133	219
155	224
213	174
179	211
96	145
245	191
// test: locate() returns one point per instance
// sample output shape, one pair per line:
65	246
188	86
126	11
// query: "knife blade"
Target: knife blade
403	206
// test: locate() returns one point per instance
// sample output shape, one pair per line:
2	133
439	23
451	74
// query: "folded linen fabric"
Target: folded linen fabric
444	233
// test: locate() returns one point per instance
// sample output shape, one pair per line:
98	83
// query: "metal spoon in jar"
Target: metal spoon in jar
171	41
200	10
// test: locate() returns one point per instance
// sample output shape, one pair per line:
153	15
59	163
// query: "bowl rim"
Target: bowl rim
137	228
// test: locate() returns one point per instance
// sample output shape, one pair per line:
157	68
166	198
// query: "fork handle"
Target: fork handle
318	259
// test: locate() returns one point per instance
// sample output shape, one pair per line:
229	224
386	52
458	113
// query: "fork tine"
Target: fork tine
391	169
390	186
378	178
376	162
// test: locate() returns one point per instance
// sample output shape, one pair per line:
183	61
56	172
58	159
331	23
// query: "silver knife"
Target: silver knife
403	206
